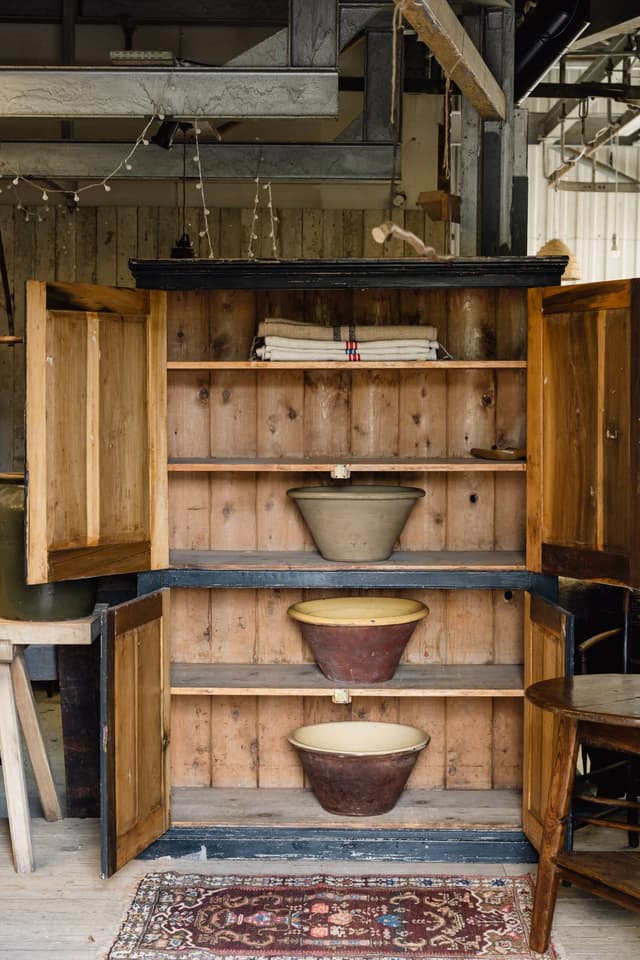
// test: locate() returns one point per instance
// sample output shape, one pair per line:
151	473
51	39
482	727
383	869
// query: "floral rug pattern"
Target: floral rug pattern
190	917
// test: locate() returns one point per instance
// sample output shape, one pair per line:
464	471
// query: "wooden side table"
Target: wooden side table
16	701
604	711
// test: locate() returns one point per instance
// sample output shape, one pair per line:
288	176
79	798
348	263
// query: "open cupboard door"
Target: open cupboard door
134	704
96	431
583	426
549	653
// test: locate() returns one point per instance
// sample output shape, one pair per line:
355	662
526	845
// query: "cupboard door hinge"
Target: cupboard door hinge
105	737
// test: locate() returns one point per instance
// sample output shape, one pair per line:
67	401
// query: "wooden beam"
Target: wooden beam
183	93
60	160
436	25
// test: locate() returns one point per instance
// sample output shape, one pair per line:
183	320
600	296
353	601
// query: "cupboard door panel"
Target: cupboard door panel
96	440
135	698
548	653
583	501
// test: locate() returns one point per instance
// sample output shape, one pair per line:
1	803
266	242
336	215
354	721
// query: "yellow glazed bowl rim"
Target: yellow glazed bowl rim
359	738
358	611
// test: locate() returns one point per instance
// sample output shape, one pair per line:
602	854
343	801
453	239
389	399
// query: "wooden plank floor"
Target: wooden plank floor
64	911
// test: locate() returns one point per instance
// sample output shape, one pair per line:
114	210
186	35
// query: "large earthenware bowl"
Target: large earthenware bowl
359	522
358	639
358	768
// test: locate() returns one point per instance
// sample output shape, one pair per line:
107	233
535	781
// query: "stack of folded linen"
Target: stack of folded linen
280	339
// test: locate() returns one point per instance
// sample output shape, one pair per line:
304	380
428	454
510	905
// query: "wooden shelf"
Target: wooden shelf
300	560
306	679
341	365
359	465
246	806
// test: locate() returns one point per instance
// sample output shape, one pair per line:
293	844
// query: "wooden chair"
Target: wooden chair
609	783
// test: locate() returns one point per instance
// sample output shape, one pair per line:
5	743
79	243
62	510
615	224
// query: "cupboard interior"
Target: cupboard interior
238	437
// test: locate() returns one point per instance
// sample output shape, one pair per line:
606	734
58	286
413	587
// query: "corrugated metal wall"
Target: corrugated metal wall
586	221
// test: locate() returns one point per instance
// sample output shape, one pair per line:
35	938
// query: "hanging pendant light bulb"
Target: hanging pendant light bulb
183	249
614	250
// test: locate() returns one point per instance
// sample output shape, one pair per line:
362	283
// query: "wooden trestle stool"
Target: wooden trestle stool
602	710
16	702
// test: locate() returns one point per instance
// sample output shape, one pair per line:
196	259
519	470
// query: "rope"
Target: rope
447	121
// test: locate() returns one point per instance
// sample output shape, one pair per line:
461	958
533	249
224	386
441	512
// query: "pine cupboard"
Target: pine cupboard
156	446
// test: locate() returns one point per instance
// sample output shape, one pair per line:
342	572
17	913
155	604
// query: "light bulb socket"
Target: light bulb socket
183	249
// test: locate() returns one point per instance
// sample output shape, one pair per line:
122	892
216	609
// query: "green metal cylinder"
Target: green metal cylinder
19	601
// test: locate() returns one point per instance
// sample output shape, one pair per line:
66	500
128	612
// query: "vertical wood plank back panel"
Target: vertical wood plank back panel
191	741
189	512
279	639
470	626
233	506
507	743
231	233
283	304
289	232
280	413
233	625
422	433
508	626
374	413
332	234
469	757
191	628
327	413
106	245
511	323
279	765
127	239
353	233
233	401
86	239
187	325
189	413
233	323
234	742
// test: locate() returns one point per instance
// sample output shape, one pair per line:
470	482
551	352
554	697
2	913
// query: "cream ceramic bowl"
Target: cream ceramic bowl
358	611
355	522
358	639
359	738
358	768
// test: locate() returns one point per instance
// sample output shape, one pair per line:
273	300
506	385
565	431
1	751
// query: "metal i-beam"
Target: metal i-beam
59	160
437	25
182	93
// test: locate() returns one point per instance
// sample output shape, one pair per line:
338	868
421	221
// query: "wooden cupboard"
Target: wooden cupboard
155	444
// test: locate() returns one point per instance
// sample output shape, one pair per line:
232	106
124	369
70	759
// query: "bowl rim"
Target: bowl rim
357	491
420	738
304	611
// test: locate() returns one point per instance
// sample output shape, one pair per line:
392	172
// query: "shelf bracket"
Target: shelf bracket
341	696
341	471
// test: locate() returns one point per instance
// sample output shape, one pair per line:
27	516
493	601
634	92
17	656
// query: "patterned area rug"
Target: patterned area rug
188	917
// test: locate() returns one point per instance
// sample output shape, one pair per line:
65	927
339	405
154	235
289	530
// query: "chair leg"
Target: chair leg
558	804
